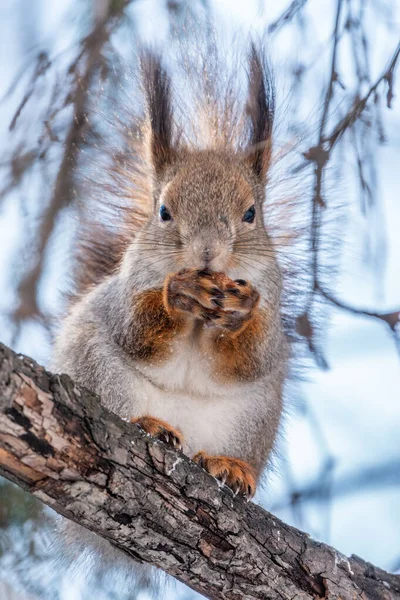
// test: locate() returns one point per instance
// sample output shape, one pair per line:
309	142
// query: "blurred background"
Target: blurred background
66	68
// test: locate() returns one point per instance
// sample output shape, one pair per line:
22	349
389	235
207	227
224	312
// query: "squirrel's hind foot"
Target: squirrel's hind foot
236	473
160	429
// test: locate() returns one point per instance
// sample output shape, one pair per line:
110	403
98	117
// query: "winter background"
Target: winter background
338	477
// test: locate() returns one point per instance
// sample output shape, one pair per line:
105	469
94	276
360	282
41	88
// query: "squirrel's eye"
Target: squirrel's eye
165	215
249	215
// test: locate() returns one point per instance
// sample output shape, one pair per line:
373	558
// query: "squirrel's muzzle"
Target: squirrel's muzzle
208	251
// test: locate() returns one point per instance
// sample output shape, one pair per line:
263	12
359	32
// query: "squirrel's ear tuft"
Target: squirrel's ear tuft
260	111
157	89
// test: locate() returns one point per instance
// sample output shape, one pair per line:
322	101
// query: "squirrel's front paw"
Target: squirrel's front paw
159	429
196	292
236	473
238	305
212	297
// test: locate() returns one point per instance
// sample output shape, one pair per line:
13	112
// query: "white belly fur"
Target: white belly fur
182	392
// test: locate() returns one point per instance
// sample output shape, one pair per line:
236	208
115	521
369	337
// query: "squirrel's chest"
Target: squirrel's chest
187	369
183	392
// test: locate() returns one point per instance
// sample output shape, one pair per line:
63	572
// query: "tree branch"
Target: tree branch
83	70
392	319
154	504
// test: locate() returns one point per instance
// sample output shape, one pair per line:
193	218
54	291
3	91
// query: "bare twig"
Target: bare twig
378	476
392	319
43	64
320	155
287	15
91	54
356	110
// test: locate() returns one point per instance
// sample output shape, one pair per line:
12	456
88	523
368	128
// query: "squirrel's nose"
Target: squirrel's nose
210	252
206	250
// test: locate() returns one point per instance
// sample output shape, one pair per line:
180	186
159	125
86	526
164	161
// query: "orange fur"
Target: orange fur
236	354
159	429
153	326
230	308
238	474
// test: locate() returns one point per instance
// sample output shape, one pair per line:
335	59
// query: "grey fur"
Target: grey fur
204	190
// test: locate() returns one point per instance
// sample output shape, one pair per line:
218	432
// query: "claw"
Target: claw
234	292
236	474
204	273
217	303
214	317
216	292
176	443
249	494
158	429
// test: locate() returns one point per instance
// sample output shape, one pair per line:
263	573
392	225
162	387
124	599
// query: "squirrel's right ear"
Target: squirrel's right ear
157	89
260	109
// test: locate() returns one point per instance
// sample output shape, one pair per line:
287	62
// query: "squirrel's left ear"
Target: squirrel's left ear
157	89
260	109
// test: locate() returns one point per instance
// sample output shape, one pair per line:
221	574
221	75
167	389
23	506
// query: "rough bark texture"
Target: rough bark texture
60	444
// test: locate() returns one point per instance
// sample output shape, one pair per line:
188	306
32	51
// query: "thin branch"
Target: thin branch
356	110
378	476
320	154
62	195
287	15
392	318
320	157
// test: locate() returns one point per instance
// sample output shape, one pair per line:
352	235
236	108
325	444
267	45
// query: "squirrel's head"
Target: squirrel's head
209	213
208	204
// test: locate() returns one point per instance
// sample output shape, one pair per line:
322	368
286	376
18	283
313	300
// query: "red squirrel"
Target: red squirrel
178	326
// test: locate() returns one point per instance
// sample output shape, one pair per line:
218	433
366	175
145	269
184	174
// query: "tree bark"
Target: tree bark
155	504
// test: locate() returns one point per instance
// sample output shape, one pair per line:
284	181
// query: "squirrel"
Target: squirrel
178	324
